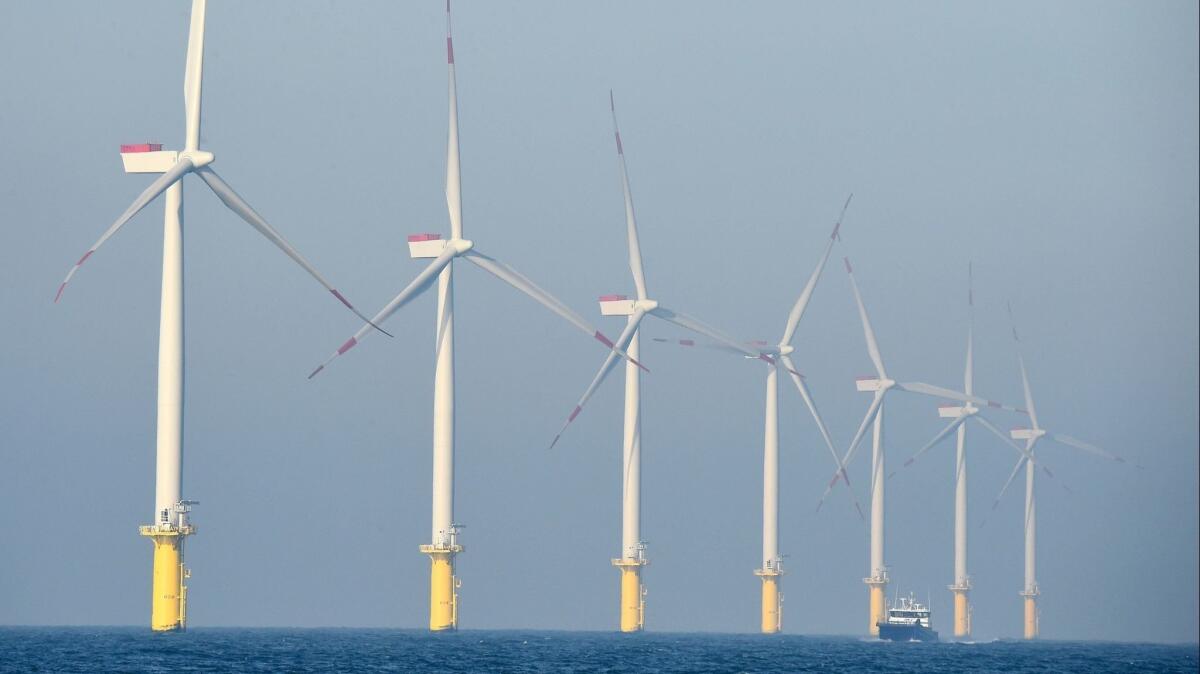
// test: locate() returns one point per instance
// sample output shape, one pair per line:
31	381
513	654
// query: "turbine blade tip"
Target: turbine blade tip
316	371
58	295
849	269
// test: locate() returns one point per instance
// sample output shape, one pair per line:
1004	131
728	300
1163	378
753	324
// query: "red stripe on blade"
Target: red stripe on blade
84	258
687	342
602	339
450	50
620	150
314	372
574	413
342	298
347	346
849	270
61	288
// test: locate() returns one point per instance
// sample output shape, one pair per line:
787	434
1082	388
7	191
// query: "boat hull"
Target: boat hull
891	632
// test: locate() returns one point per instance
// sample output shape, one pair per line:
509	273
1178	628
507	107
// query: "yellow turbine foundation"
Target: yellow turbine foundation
772	600
962	613
633	594
168	599
443	587
878	606
1031	615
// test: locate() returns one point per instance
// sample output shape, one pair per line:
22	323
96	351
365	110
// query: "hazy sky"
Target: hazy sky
1055	145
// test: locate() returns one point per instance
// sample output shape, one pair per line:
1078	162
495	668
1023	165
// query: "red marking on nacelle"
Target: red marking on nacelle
867	377
612	298
141	147
414	238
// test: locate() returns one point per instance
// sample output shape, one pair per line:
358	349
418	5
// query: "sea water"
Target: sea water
136	649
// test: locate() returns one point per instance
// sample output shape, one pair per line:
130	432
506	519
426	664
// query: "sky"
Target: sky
1054	146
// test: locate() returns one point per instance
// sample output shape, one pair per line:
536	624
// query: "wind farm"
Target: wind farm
333	486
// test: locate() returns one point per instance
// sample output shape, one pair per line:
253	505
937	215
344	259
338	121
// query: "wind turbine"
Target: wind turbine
958	415
772	571
1030	592
633	558
171	525
443	602
881	385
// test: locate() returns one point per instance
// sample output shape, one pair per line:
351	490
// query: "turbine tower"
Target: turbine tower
771	571
171	525
1030	592
633	558
445	546
880	385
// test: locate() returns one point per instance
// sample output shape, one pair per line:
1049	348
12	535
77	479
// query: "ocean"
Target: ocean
136	649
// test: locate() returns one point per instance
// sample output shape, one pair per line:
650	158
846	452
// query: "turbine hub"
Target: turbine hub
461	245
198	158
786	349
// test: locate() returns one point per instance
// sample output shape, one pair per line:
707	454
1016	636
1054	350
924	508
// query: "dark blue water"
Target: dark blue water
135	649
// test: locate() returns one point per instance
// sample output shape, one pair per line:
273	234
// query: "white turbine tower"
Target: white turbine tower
443	603
632	608
1030	592
171	526
881	385
771	571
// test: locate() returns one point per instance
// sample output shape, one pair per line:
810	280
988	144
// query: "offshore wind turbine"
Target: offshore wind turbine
1030	592
171	525
771	571
445	546
959	414
881	385
633	557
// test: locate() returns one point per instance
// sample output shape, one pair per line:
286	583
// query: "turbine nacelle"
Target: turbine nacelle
874	384
955	411
432	245
620	305
1026	433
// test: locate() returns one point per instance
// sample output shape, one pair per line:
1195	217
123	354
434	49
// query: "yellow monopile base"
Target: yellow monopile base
443	587
878	607
168	599
633	594
1031	616
772	600
962	614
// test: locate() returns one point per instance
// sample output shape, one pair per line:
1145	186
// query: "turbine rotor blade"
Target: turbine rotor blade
868	331
698	326
805	295
955	423
193	76
950	394
605	369
1087	447
418	285
1016	469
160	185
519	281
453	164
234	202
635	248
806	395
854	444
